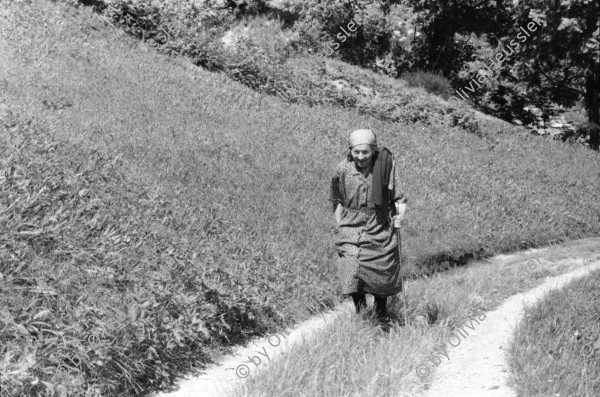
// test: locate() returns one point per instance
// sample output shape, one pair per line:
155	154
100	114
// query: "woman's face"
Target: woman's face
362	155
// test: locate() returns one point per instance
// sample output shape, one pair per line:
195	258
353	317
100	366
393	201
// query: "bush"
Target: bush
432	82
322	22
188	28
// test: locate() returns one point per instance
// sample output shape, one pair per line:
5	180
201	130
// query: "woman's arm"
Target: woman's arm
397	196
335	196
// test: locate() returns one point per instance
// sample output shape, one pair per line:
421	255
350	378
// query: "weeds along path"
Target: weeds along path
476	367
218	378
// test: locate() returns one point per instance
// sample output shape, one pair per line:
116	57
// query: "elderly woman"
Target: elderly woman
365	191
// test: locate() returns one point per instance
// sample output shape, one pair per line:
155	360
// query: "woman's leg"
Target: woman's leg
360	301
380	306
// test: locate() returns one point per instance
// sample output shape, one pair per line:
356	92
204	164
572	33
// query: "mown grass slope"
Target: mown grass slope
101	291
233	187
354	357
267	54
556	349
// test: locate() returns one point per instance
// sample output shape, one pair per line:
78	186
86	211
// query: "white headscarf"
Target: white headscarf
360	137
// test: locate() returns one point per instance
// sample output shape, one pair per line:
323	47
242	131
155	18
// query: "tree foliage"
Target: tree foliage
559	64
324	26
563	61
441	20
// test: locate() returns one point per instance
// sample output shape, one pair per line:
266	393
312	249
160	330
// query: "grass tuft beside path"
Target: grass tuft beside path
556	349
352	357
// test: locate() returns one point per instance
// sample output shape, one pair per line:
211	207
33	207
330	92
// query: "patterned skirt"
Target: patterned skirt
368	257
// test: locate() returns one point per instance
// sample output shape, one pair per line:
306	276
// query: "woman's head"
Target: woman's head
363	148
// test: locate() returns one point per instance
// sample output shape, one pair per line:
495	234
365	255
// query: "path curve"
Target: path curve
218	378
475	368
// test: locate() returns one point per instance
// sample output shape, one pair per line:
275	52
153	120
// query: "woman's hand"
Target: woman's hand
397	220
400	210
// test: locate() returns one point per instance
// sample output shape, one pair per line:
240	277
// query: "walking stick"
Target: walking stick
401	276
401	266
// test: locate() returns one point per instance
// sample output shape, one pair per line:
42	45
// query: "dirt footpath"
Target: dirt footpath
474	367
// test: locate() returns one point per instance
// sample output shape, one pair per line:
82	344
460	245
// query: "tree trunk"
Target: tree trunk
593	87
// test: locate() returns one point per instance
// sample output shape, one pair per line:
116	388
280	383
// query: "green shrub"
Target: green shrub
322	21
432	82
187	28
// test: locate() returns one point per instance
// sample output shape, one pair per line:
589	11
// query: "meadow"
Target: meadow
565	328
352	357
155	213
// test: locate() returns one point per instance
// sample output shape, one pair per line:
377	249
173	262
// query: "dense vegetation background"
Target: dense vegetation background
153	214
455	41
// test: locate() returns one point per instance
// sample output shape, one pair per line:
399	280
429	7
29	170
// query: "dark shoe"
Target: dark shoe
360	301
380	307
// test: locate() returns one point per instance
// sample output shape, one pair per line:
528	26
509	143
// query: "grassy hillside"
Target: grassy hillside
262	49
101	291
205	195
556	350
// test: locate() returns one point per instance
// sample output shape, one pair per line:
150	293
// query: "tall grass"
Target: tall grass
351	357
556	349
233	186
101	291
